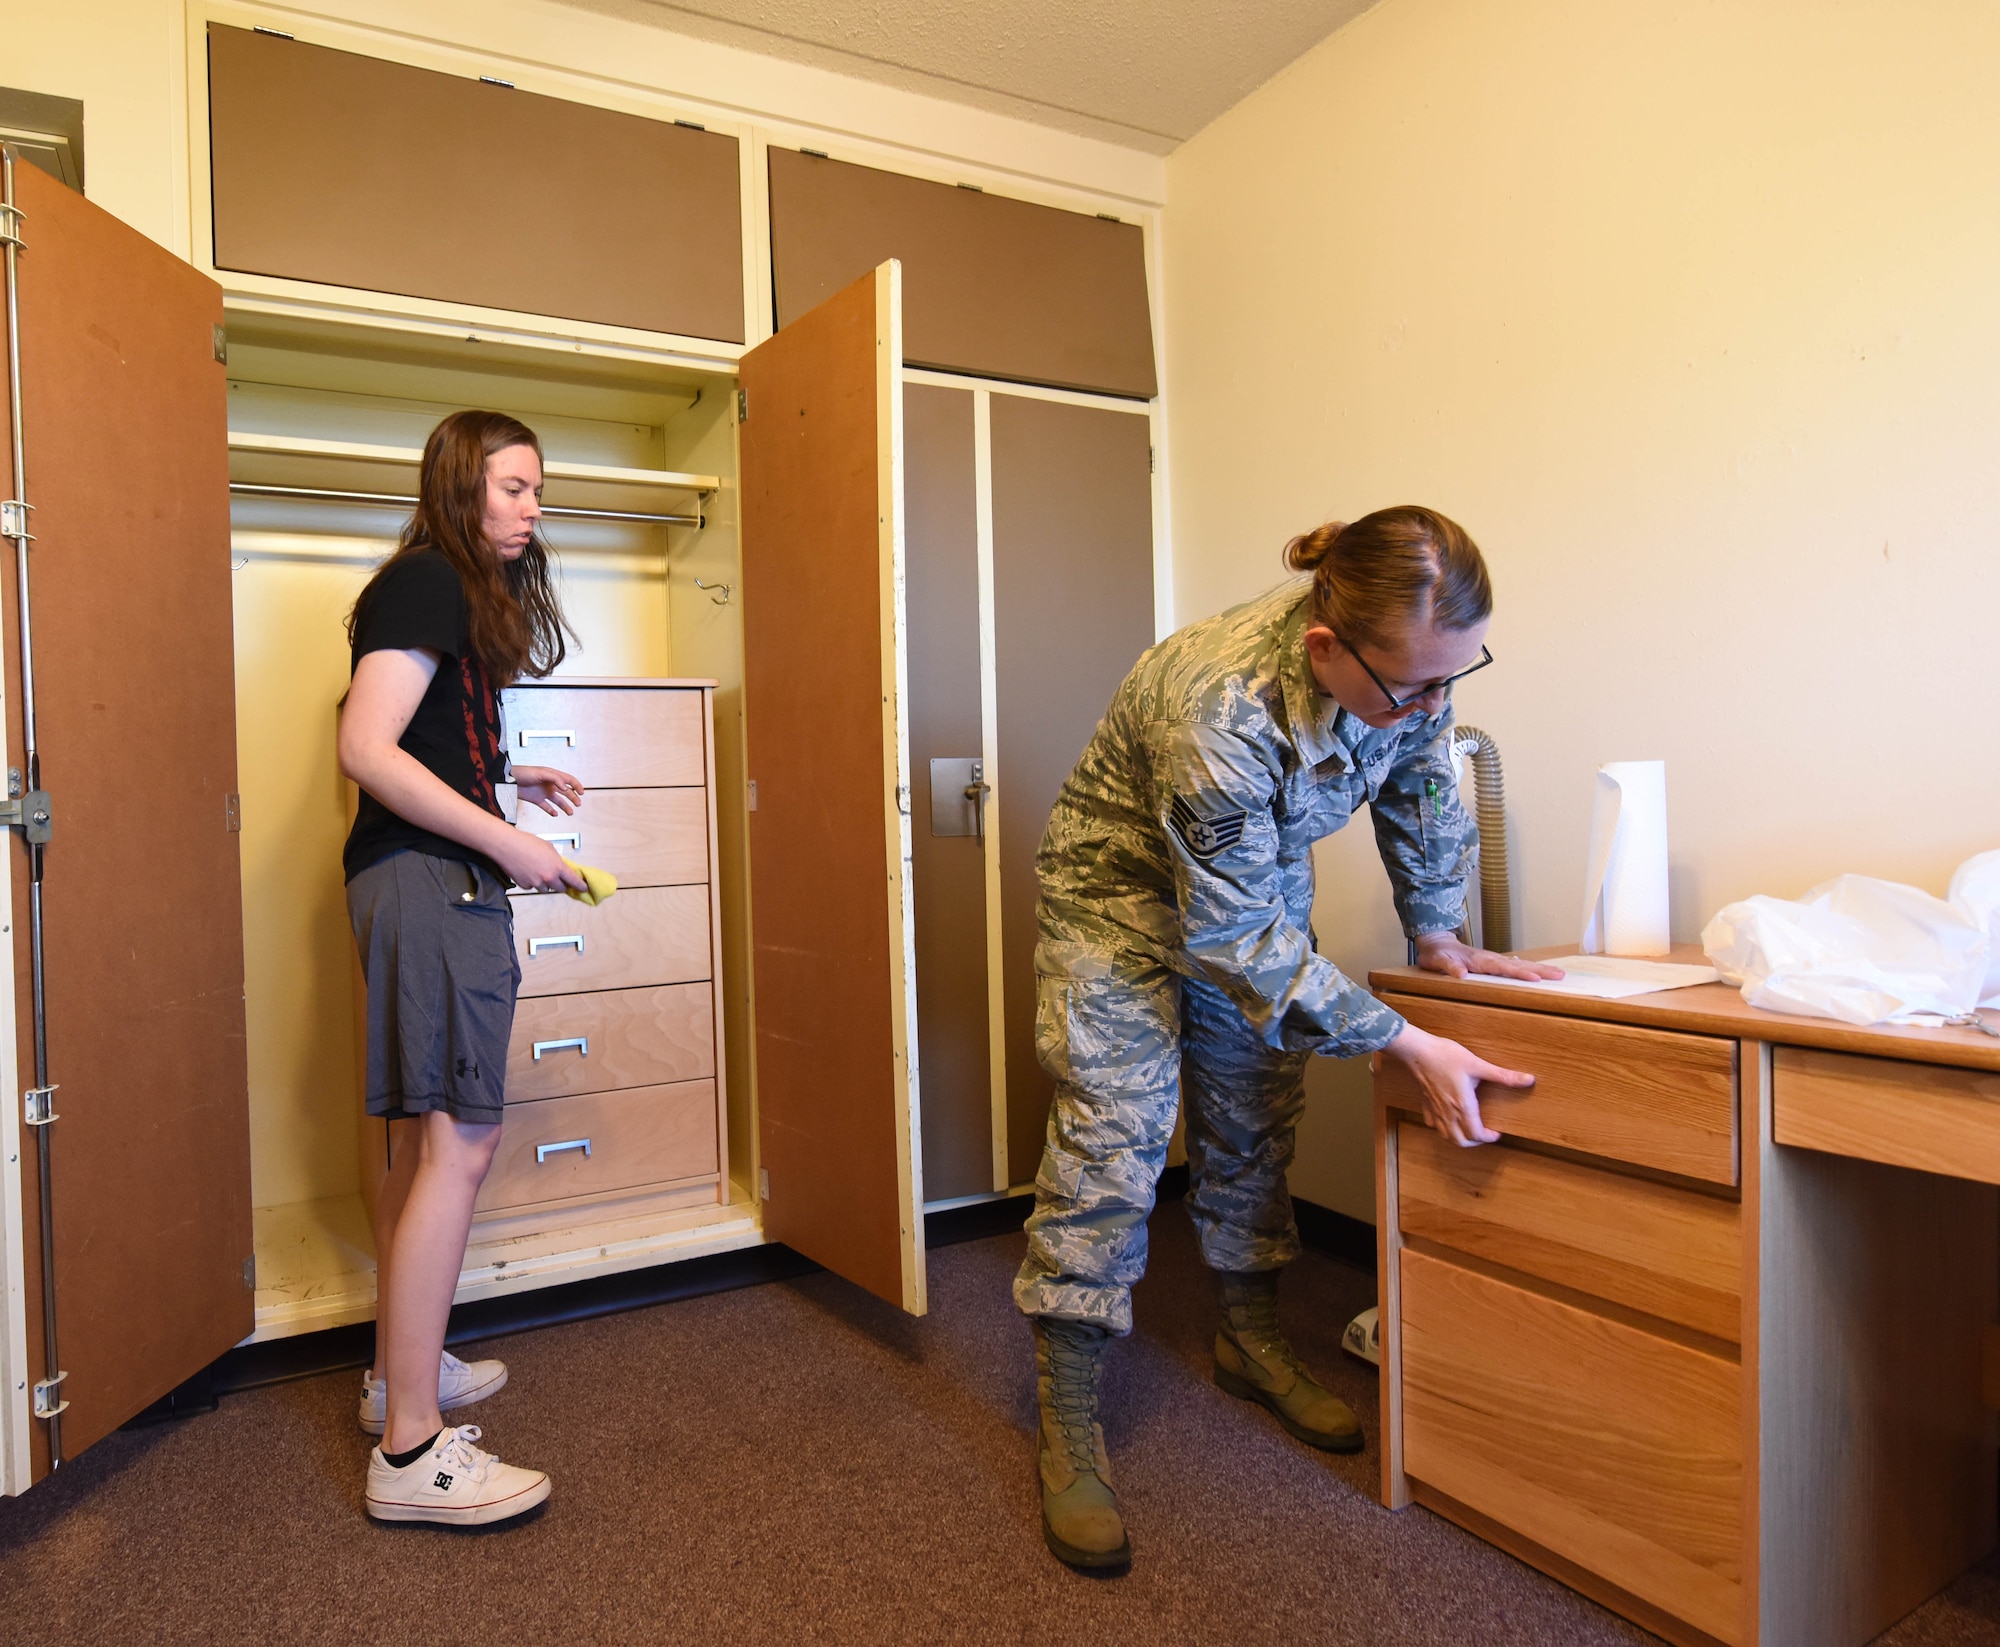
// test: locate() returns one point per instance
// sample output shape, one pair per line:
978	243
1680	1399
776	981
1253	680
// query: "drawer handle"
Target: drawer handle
574	837
537	945
580	1042
544	1151
569	738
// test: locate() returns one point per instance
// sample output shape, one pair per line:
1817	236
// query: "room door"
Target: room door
827	754
125	463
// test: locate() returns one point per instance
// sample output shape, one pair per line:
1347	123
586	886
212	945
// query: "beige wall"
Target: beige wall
1691	314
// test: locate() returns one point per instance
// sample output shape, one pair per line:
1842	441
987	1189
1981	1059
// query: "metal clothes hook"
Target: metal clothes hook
727	590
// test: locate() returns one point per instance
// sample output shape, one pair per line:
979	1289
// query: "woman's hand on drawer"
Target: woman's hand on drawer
548	788
1449	1076
533	865
1445	952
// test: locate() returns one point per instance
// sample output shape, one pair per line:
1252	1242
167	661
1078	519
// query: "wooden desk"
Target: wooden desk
1706	1336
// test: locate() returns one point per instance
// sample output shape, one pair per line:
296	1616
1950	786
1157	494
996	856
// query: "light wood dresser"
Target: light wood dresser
614	1074
1710	1334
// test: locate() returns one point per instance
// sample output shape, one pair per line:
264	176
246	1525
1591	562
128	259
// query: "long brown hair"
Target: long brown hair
1392	568
516	622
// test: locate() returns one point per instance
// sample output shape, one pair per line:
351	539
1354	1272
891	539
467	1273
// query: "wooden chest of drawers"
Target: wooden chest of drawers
614	1074
1678	1339
1569	1322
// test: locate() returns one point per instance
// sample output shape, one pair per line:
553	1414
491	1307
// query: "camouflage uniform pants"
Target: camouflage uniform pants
1124	1048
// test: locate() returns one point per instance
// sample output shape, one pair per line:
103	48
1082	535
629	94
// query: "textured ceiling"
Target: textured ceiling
1144	73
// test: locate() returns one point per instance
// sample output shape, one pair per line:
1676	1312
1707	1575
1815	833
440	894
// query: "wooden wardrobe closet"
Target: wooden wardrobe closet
913	523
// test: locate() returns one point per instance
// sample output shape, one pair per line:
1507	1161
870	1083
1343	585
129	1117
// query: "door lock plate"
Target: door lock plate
958	796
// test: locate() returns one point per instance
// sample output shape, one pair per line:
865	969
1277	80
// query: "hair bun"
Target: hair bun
1305	552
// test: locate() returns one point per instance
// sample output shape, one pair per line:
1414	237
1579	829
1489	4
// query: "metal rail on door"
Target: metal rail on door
27	809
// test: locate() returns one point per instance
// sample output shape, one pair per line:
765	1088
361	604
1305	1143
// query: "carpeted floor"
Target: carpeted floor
798	1463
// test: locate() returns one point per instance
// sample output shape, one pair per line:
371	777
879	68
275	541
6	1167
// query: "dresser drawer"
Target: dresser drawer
1669	1252
651	935
607	1039
610	737
1617	1450
1886	1109
561	1148
1646	1096
646	837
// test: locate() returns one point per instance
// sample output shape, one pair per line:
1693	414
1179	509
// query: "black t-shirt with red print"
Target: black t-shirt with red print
455	733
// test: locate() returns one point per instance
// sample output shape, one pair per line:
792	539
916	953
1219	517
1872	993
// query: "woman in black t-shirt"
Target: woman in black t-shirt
465	605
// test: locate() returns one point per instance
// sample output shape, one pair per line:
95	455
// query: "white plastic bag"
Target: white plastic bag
1975	889
1857	949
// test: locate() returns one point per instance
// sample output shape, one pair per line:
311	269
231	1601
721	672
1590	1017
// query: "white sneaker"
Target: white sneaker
453	1483
459	1385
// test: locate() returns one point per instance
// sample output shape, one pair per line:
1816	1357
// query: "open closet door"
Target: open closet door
123	417
824	688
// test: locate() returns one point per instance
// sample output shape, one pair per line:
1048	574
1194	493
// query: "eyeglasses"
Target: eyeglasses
1485	657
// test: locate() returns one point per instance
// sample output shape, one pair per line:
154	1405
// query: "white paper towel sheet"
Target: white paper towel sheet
1612	978
1625	886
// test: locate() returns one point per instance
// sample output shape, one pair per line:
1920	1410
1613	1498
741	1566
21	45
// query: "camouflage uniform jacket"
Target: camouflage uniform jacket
1184	836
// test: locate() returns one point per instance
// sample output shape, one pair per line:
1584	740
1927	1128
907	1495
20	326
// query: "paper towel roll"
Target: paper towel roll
1625	887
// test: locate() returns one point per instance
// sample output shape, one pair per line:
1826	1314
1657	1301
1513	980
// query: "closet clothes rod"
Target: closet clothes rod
392	500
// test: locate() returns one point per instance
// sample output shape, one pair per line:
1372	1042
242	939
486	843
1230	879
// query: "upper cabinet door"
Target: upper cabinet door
994	287
125	418
350	171
824	686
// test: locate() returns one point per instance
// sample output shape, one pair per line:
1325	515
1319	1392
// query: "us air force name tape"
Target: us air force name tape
1205	837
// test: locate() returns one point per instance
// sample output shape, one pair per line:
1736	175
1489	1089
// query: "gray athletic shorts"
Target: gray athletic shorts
437	947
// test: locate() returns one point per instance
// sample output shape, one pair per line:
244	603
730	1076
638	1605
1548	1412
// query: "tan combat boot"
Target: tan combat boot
1252	1360
1080	1519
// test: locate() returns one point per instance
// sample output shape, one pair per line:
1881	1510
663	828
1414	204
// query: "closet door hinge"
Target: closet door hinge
31	813
219	339
742	405
38	1106
232	814
250	1273
47	1402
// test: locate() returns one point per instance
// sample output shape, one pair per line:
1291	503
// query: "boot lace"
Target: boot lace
1258	1315
1073	1379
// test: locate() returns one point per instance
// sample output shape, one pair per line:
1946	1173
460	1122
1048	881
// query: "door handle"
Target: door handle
537	945
568	738
580	1042
976	792
544	1151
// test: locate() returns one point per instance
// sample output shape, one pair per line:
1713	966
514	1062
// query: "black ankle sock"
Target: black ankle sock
396	1461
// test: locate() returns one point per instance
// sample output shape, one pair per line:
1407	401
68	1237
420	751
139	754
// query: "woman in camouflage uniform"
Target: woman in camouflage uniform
1176	961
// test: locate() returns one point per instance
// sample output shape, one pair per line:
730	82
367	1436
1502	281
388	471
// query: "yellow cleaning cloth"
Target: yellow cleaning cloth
598	884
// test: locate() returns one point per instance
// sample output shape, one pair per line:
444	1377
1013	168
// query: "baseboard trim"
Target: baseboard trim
1337	1234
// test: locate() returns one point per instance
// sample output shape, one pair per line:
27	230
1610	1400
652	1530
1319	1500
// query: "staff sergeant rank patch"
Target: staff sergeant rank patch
1205	837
